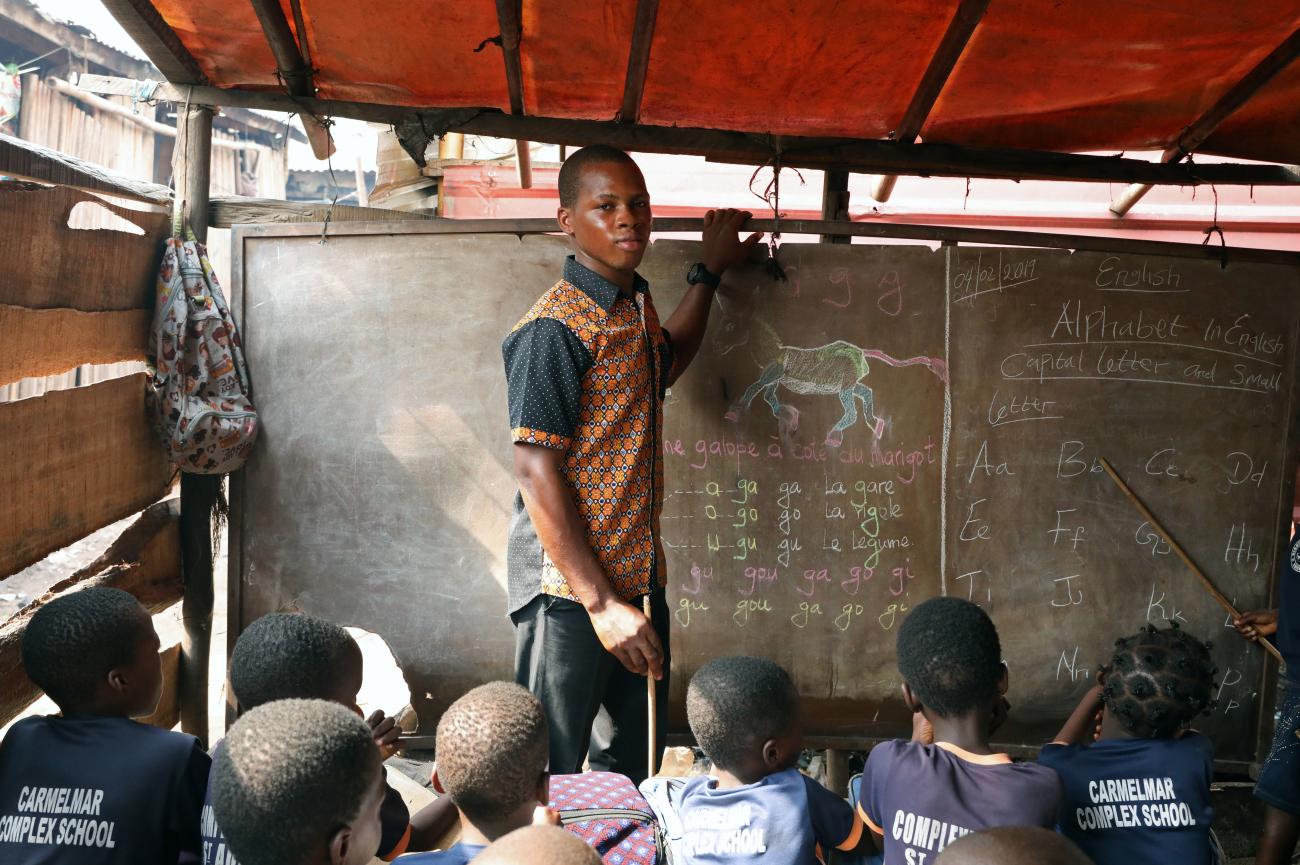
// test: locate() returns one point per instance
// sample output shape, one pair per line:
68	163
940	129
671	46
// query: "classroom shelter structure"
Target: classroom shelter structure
1027	90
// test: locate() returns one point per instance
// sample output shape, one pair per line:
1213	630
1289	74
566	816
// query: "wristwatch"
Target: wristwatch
701	274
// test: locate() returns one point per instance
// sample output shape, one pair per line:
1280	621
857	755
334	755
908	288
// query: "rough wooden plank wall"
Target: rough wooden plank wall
72	462
40	342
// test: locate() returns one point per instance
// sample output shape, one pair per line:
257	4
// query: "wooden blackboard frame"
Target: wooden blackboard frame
938	234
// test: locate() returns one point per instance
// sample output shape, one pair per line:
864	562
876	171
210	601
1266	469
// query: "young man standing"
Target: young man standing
586	371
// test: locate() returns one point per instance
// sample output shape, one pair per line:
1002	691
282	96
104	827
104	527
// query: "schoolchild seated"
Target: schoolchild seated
755	806
492	752
919	796
1141	792
90	785
299	782
295	656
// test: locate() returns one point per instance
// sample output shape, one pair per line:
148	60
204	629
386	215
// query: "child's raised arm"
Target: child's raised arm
1083	720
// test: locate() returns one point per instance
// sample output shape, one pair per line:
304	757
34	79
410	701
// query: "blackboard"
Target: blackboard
890	423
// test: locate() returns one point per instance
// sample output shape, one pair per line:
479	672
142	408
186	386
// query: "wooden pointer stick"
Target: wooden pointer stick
651	699
1205	581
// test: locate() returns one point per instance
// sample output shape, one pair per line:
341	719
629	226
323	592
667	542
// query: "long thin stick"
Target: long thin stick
651	708
1205	581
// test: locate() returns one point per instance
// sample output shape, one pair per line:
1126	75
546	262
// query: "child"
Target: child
755	806
1012	845
299	782
1140	793
492	751
294	656
918	797
538	845
91	785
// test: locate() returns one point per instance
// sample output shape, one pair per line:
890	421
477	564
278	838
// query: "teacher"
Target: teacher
586	370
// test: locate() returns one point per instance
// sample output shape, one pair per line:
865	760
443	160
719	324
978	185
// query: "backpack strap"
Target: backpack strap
582	815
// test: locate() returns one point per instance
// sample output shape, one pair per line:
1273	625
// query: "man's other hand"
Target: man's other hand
628	635
1254	624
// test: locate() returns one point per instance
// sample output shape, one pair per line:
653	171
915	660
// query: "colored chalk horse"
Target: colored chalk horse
836	368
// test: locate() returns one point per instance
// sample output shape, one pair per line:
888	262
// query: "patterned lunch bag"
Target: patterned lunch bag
198	386
605	810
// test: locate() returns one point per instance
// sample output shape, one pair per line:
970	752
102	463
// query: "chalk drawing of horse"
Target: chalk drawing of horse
836	368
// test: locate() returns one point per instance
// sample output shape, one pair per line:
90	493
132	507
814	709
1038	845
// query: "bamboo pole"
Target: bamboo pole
651	704
1218	596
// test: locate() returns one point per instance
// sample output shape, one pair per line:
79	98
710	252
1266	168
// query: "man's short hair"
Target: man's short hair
1013	845
735	704
950	656
288	656
492	750
72	642
538	845
571	170
288	775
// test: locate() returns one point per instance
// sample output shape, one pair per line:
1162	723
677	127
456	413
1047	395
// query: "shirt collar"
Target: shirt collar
597	287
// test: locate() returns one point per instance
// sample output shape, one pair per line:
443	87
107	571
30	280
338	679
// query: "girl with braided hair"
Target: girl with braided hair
1140	793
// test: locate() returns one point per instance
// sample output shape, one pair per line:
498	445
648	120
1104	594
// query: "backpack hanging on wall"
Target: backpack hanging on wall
197	395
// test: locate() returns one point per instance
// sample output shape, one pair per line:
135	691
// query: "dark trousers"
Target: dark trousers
595	706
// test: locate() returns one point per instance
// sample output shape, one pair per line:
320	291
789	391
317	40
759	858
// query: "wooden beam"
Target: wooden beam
199	493
1194	135
960	29
928	233
835	203
99	103
638	60
294	69
157	40
72	462
865	156
40	342
22	159
508	14
227	211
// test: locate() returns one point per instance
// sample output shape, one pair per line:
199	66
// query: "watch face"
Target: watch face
695	274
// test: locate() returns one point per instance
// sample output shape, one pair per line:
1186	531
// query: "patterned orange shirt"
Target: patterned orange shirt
586	371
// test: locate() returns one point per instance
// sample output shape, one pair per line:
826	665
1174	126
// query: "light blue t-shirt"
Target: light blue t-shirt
785	818
456	854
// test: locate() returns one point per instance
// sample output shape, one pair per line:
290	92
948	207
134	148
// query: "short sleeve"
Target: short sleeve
185	808
875	775
545	363
834	822
1053	754
394	824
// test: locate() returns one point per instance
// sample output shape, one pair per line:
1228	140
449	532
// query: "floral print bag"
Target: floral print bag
197	395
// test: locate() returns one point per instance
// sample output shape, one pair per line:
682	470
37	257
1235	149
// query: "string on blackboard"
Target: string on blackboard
771	195
1215	229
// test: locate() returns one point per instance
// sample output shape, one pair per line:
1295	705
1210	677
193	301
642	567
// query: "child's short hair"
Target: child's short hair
735	704
1013	845
571	170
1158	681
288	775
493	746
288	656
539	845
950	656
72	642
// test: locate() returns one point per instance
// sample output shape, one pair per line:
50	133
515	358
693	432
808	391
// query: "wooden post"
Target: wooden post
191	170
835	202
837	771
